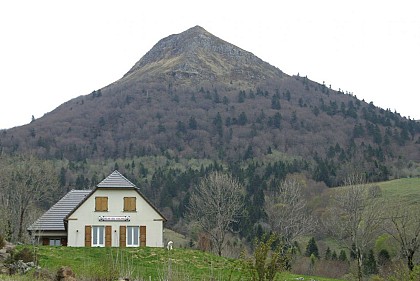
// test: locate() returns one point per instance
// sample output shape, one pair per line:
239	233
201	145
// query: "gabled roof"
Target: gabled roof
53	218
115	180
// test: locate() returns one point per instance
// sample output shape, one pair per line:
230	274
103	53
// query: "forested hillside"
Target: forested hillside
194	95
193	105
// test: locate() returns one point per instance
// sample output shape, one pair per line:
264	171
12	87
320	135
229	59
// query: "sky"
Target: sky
53	51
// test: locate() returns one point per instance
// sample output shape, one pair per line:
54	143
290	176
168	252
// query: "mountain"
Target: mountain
194	95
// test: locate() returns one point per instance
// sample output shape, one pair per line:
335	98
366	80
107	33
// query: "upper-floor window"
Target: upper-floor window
101	204
130	204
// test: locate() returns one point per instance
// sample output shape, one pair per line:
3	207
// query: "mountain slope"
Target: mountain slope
194	95
196	55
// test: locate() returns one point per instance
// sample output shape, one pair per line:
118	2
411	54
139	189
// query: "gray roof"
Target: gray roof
116	180
52	219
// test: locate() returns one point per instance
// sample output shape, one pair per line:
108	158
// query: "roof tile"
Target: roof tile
116	180
53	218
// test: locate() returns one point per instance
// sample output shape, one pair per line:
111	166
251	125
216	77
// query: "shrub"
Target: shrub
25	255
383	257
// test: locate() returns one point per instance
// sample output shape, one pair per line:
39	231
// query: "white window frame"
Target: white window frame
55	242
132	236
98	238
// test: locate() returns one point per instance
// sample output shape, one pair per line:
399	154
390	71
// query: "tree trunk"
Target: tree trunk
410	262
20	230
359	266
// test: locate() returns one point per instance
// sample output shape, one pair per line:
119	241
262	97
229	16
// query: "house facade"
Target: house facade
114	214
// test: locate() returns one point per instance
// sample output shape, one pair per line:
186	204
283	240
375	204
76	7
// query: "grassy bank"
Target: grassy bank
145	264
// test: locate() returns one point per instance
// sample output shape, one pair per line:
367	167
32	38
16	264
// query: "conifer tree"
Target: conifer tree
312	248
342	256
328	254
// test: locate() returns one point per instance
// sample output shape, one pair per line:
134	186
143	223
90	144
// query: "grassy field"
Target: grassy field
180	264
145	264
405	190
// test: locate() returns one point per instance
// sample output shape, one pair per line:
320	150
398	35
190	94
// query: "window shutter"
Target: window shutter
126	203
101	204
133	204
122	236
142	235
88	235
130	204
108	235
105	204
97	203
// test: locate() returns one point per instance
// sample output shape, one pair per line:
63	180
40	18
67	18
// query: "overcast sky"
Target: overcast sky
53	51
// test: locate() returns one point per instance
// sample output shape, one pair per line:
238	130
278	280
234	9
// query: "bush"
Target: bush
383	257
25	255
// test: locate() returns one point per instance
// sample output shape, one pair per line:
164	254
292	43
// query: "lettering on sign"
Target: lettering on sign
114	218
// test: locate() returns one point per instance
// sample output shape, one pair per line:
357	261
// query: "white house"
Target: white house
114	214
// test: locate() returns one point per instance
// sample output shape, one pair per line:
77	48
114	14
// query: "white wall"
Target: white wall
144	215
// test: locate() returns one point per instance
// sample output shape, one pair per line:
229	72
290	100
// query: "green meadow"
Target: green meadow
144	264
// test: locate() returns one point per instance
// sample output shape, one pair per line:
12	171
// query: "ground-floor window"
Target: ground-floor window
55	242
132	236
98	236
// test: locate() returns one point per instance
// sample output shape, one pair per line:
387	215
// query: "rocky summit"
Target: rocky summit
196	55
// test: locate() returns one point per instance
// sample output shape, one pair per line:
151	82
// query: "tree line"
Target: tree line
252	203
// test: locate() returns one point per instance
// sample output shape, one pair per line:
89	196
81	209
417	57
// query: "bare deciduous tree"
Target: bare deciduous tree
25	183
404	226
287	211
215	205
355	219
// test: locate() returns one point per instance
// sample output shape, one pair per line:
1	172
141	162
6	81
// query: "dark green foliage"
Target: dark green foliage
275	102
328	254
242	120
342	256
334	256
218	123
181	128
63	177
275	121
383	257
82	182
312	248
358	131
241	96
369	264
248	153
192	123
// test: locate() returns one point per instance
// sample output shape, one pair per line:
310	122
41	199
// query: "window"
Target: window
132	236
55	242
101	204
98	236
129	204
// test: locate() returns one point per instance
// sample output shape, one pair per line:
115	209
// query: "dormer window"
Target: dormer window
129	204
101	204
